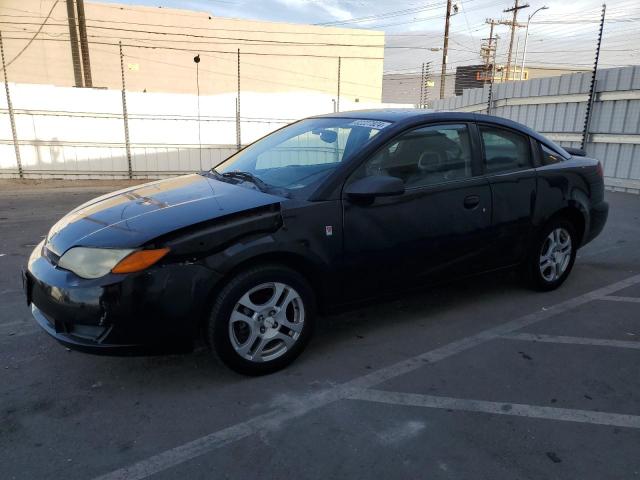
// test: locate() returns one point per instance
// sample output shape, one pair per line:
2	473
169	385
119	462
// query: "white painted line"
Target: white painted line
275	418
614	298
497	408
599	342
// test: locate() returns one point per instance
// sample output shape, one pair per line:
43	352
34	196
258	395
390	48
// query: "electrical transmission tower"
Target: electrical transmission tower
488	51
513	23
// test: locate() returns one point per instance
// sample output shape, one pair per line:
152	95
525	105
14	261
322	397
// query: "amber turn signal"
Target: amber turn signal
139	260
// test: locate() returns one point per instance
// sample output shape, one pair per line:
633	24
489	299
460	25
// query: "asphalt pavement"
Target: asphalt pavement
480	379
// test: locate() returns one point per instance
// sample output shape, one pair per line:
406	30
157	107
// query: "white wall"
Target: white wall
65	132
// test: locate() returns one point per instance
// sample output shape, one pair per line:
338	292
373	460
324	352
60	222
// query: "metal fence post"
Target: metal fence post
125	115
493	77
339	73
238	133
10	108
592	86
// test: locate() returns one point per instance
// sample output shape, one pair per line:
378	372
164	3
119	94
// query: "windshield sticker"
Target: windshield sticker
377	124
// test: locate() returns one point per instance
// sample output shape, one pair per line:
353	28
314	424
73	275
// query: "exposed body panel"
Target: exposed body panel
132	217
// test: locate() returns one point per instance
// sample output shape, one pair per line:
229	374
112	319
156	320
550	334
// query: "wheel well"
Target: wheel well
295	262
575	216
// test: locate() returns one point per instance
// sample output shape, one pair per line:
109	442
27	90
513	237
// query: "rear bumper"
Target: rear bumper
151	312
598	215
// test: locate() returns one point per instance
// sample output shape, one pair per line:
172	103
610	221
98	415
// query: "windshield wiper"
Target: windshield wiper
247	177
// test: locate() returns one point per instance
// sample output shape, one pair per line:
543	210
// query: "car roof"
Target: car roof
416	115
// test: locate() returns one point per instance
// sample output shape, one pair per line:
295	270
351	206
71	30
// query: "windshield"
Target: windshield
301	154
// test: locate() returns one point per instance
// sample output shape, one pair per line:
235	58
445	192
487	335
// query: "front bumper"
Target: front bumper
87	343
151	312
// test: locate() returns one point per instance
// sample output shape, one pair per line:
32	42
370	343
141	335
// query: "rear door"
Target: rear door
438	228
509	168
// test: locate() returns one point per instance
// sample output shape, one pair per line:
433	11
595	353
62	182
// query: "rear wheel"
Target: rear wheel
552	256
262	319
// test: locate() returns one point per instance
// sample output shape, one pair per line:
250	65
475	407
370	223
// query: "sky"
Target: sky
563	35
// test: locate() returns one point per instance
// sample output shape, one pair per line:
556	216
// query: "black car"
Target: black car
326	211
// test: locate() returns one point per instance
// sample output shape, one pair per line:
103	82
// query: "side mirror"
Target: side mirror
375	186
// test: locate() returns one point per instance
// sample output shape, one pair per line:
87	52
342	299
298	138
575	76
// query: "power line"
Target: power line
191	35
34	36
397	13
265	54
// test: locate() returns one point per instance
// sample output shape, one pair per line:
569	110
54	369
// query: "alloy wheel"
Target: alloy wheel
555	254
266	322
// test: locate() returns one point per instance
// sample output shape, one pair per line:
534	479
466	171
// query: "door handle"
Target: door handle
471	202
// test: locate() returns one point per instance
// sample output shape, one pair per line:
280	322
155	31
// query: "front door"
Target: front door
439	227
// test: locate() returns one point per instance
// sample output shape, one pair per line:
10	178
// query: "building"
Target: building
405	88
474	76
159	46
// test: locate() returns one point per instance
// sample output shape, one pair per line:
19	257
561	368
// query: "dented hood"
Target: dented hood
131	217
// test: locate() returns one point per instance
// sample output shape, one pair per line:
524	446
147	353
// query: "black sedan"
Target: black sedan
327	211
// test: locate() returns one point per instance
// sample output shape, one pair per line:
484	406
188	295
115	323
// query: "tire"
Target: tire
262	319
552	256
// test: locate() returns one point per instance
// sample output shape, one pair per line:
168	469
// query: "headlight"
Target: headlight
96	262
92	262
36	253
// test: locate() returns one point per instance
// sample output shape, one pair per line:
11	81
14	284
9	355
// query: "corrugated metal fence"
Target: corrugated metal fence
65	132
556	107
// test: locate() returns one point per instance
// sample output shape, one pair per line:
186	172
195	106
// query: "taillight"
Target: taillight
600	171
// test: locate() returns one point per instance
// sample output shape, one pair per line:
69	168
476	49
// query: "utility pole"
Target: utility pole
84	44
487	50
514	24
445	47
73	38
592	87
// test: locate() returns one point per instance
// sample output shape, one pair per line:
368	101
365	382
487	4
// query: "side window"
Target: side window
549	157
505	150
425	156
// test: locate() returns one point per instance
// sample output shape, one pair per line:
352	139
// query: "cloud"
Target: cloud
333	8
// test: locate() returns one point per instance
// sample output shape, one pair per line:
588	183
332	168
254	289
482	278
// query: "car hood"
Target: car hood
131	217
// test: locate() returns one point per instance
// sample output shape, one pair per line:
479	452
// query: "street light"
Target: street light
526	37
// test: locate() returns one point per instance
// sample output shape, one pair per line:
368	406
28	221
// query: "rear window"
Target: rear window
504	150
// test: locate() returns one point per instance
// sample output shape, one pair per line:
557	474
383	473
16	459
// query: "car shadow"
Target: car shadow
334	331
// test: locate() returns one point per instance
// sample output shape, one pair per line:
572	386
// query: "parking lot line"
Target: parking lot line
600	342
497	408
614	298
274	419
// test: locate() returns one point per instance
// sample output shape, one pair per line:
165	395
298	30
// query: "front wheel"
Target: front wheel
262	319
553	255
